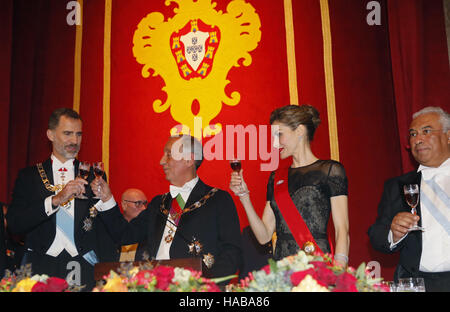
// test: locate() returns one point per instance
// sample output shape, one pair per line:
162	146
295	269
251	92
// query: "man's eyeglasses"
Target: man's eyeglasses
425	132
137	203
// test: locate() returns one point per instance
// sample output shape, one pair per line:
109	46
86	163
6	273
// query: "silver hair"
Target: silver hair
444	116
187	145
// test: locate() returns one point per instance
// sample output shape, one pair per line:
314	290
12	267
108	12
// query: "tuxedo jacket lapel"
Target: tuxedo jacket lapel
160	223
47	165
197	193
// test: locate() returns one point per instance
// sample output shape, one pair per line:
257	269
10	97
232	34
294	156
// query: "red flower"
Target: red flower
297	277
39	287
53	284
346	283
56	284
266	269
326	276
164	276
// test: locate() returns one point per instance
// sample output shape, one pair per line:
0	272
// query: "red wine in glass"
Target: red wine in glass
236	165
83	172
98	171
412	199
411	192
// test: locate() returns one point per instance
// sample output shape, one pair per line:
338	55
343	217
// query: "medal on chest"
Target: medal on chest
89	221
59	187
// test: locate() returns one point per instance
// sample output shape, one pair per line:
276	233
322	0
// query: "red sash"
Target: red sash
290	213
175	211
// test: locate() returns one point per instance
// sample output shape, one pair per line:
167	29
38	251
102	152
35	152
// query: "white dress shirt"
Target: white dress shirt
164	247
60	241
435	239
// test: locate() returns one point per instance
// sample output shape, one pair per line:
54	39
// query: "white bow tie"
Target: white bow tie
428	173
175	190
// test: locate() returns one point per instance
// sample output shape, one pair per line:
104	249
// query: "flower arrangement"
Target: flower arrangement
147	278
22	281
308	273
297	273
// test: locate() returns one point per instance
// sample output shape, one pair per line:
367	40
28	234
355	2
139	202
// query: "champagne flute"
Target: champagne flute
411	192
83	172
98	171
236	166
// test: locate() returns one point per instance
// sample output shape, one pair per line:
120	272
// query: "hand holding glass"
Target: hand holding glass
411	192
236	166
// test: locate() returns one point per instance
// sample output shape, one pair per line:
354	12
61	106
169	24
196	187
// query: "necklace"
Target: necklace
174	216
52	188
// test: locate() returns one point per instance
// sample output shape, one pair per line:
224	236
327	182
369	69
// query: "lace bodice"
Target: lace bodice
310	188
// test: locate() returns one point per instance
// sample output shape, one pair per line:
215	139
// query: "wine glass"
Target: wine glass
411	192
83	172
98	171
236	166
411	284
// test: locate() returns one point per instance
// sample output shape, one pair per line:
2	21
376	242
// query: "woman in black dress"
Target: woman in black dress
316	187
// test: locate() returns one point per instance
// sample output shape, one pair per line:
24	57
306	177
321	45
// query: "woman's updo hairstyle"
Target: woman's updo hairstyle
295	115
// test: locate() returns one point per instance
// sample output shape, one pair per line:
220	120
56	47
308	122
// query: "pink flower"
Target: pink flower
144	277
382	287
212	287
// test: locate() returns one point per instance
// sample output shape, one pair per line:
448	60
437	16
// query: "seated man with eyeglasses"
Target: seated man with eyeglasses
134	202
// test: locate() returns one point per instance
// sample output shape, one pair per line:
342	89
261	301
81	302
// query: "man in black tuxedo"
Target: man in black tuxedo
63	237
422	254
192	219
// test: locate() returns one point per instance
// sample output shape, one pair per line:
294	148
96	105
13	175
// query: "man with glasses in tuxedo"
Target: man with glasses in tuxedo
423	254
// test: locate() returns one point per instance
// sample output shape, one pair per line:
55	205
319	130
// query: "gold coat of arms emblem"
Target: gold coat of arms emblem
193	51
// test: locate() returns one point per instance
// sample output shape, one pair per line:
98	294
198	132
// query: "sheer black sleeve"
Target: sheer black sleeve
269	194
337	179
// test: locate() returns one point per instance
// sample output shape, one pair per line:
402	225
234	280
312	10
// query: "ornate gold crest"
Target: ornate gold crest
193	52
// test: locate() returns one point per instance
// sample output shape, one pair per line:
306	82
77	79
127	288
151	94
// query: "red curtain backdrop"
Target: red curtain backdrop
6	9
420	64
381	75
